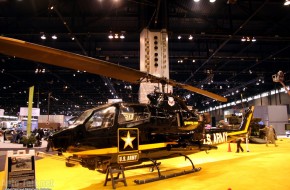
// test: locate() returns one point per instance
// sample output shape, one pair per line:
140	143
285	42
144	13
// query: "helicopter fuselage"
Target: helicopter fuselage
128	133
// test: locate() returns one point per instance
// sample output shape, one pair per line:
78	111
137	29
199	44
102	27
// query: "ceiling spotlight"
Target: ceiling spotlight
54	37
243	39
110	36
43	37
122	36
116	36
212	1
179	37
196	0
254	39
287	2
190	37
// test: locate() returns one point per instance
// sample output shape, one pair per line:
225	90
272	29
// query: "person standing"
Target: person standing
49	142
1	136
239	147
270	135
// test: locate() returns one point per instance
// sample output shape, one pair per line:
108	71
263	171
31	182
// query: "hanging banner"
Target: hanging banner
30	102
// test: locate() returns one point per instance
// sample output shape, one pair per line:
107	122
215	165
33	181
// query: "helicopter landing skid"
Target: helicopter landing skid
161	177
143	166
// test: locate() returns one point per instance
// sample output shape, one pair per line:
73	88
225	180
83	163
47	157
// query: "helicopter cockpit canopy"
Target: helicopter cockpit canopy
102	118
81	118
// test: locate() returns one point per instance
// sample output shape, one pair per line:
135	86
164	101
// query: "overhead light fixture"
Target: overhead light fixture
122	36
110	36
117	35
54	37
179	37
212	1
287	2
39	71
190	37
196	0
43	37
248	39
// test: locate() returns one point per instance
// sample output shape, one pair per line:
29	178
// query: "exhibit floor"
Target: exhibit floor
259	169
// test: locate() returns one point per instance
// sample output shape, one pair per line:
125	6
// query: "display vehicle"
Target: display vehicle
129	133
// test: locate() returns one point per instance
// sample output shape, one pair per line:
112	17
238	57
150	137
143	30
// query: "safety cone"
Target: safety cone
229	147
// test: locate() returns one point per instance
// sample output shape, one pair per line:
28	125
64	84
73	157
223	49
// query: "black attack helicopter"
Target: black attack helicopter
129	133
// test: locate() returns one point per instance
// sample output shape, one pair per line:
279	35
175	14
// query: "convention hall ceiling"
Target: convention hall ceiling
236	47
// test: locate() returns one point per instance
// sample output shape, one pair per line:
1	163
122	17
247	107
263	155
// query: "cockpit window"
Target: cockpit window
133	113
102	118
81	118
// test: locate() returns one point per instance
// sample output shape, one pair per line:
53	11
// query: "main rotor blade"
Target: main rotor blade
198	90
43	54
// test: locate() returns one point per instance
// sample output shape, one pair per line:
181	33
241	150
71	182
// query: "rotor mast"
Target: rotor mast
153	60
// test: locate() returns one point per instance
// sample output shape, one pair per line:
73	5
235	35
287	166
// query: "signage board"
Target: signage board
24	111
1	112
20	170
128	145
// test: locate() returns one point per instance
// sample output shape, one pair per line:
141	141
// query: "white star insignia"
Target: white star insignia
128	140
